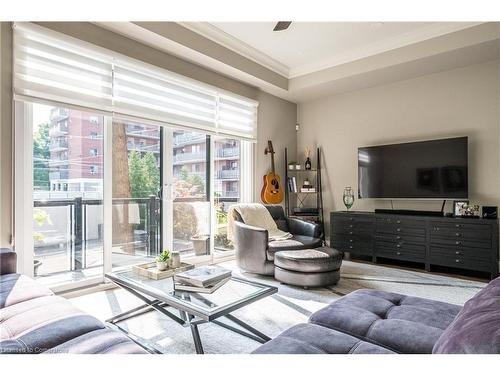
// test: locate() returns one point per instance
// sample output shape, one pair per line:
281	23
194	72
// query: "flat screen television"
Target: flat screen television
435	169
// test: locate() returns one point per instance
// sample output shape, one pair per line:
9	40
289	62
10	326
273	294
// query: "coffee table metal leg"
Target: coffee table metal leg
250	332
196	337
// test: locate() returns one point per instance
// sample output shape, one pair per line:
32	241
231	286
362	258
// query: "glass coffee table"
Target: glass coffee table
192	309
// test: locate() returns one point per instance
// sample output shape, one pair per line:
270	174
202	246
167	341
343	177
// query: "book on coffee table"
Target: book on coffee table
209	289
202	277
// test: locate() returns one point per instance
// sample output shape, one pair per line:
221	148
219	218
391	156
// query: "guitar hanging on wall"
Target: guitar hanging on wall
272	192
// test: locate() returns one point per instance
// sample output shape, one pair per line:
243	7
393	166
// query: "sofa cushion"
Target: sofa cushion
297	242
476	329
101	341
314	339
16	288
401	323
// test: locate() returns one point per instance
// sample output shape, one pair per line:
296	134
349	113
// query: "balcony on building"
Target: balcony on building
58	129
58	145
191	157
228	152
188	138
58	114
228	174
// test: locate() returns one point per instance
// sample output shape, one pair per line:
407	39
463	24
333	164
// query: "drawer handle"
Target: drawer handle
350	232
458	242
398	246
398	230
350	247
457	234
350	219
398	253
398	237
458	226
398	222
350	226
350	241
457	260
457	252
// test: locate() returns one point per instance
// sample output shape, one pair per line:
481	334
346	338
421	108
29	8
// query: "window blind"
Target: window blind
160	96
52	66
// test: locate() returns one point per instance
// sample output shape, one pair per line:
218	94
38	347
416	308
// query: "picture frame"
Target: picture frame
464	209
460	208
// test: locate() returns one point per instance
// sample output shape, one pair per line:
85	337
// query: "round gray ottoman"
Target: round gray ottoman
308	268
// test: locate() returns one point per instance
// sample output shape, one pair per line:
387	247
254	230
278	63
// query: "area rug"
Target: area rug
272	315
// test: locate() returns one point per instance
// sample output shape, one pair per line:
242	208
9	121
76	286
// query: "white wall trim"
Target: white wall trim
219	36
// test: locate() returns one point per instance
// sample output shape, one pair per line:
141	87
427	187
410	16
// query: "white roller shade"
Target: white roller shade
237	117
54	67
158	95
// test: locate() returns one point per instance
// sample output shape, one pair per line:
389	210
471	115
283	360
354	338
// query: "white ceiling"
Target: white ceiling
306	47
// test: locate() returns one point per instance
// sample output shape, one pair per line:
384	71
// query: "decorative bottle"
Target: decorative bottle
348	197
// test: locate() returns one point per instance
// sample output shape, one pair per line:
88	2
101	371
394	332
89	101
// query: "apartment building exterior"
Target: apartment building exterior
76	153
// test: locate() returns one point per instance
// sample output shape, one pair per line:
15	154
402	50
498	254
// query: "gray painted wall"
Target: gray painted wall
457	102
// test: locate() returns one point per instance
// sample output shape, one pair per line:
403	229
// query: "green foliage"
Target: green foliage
196	181
41	156
185	221
164	256
144	174
221	216
40	217
221	241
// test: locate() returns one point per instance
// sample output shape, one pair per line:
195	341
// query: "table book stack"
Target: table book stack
205	279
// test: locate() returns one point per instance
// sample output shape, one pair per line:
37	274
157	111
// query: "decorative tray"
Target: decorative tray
150	270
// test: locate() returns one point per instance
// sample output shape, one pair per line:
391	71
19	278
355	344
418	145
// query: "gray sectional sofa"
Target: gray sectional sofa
33	320
376	322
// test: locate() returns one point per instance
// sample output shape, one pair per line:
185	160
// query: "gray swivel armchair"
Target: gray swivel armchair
254	252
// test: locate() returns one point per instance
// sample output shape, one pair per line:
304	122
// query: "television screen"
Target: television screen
434	169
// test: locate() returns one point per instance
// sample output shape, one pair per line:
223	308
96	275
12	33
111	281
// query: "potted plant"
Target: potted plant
163	260
200	244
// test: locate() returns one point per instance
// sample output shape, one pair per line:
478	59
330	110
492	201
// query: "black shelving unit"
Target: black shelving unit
298	199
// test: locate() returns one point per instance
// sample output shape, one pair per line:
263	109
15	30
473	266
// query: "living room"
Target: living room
244	185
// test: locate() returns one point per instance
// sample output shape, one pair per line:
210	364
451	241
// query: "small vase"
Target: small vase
348	197
176	259
162	266
308	164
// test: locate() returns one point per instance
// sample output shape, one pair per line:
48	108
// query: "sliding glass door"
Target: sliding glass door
67	164
137	180
190	169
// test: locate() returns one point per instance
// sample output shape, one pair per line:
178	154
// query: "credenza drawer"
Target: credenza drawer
459	241
393	237
442	258
400	250
466	231
401	221
355	227
465	252
400	229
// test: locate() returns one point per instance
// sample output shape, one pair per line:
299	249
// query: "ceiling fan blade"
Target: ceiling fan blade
282	25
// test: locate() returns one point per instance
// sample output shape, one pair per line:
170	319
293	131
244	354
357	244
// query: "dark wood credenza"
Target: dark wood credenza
469	244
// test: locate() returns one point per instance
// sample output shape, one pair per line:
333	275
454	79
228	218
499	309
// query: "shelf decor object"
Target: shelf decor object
308	164
348	197
306	201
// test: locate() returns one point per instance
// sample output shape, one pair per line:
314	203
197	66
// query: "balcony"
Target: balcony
58	130
228	174
190	157
228	152
58	114
189	138
60	145
227	194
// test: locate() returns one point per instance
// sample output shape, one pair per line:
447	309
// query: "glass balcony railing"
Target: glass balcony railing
182	139
190	157
228	174
228	152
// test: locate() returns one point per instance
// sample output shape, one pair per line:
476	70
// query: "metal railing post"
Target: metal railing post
78	233
152	225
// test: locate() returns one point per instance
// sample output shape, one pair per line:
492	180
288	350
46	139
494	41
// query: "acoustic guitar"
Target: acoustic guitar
272	192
